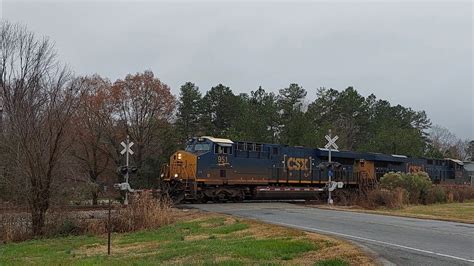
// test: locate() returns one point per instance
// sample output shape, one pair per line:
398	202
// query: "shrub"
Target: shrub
69	227
436	194
417	185
391	180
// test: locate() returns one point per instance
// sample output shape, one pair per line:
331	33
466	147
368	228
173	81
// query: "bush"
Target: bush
417	185
391	180
436	194
69	227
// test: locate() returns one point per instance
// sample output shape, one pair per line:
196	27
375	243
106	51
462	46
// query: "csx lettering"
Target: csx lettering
297	164
415	168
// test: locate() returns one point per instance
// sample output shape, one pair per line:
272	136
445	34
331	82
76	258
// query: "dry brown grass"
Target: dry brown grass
454	212
350	253
456	193
396	198
14	227
144	212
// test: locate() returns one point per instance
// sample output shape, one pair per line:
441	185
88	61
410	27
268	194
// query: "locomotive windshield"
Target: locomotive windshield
198	147
202	147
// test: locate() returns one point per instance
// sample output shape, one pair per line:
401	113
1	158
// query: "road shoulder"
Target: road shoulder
450	212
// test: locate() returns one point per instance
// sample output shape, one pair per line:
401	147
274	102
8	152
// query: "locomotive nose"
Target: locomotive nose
183	165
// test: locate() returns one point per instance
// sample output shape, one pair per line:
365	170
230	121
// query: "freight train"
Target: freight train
217	169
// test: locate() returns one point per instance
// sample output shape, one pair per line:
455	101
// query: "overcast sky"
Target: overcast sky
418	55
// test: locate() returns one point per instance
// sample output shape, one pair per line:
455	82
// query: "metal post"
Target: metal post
1	116
330	170
109	228
126	163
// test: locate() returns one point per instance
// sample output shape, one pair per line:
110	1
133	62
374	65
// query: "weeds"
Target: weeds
144	212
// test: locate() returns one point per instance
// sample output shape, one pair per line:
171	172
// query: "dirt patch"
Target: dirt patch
261	230
195	237
98	249
330	246
187	214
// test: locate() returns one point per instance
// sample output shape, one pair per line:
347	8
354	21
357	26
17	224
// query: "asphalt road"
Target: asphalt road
394	240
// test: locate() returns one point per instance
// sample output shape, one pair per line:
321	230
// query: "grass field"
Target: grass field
208	240
456	212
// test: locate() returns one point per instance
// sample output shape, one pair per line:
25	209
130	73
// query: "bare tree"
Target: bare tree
441	139
448	144
143	102
39	97
91	121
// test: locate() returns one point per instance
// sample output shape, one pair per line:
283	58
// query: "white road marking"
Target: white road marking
372	240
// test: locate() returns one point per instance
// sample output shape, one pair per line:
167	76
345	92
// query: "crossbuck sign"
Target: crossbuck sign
331	142
127	151
126	148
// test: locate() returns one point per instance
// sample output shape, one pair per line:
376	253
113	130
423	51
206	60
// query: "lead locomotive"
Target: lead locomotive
220	170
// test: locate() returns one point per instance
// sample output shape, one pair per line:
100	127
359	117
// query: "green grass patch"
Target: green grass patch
206	242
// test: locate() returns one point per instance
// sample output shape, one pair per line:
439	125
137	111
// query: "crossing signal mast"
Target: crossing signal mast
331	144
126	170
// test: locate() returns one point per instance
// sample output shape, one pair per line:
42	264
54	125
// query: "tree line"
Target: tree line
60	133
364	124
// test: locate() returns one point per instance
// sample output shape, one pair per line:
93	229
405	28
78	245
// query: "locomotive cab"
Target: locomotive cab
196	165
182	166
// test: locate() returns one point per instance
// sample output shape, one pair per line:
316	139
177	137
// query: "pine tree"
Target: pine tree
189	111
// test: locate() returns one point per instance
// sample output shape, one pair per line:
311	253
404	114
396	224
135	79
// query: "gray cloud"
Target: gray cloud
418	55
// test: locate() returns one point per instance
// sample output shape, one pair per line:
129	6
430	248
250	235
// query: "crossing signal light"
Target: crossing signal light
133	170
123	170
330	166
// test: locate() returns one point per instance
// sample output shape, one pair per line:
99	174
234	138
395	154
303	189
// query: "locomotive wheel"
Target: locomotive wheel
177	197
239	197
175	194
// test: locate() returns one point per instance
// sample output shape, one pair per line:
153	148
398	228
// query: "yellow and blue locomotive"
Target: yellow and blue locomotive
218	169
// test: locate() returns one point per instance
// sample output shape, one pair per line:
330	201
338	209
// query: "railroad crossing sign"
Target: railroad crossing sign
126	148
331	142
127	151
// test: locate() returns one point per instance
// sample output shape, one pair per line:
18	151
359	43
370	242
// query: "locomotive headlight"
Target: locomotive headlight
179	156
175	175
